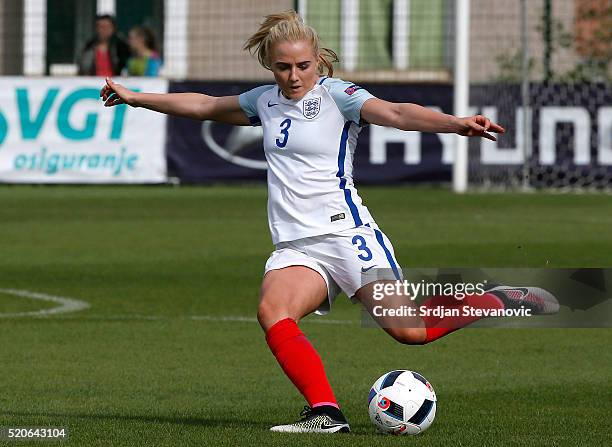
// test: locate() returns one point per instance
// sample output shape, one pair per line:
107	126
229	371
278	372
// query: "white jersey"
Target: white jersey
309	145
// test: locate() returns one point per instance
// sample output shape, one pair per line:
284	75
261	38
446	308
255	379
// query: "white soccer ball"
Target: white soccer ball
402	403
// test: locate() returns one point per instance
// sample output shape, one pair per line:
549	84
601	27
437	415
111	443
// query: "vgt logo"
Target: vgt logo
57	130
384	403
3	128
33	108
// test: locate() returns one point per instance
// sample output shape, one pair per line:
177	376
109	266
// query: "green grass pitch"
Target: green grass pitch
152	362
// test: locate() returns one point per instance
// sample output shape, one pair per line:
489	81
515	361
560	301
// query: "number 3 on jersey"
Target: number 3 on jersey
285	125
361	246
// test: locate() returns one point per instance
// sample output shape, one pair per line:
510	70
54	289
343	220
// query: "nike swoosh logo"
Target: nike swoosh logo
364	270
272	105
324	426
505	293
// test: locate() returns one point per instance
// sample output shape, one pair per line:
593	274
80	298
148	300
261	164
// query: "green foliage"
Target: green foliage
510	68
593	68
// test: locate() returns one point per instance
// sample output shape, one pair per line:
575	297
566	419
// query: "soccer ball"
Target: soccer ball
402	403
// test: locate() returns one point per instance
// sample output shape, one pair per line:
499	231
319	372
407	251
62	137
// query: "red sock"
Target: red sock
301	362
437	327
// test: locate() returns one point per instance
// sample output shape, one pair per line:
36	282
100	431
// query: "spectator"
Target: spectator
145	60
106	54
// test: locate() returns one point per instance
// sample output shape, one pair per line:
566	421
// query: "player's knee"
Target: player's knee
410	336
269	313
264	313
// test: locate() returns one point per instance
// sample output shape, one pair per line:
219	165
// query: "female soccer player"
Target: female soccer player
325	238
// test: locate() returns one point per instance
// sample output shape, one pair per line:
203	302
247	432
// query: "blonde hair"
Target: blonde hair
288	26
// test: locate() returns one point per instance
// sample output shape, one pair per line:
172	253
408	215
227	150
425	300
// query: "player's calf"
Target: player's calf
408	336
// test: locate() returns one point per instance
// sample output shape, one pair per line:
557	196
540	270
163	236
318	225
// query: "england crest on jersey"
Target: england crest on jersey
312	107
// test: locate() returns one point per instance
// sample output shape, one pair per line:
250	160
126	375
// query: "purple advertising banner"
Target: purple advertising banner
571	133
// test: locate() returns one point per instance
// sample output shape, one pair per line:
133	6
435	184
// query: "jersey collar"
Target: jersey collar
284	100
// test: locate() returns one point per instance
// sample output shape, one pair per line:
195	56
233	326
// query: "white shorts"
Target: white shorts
347	260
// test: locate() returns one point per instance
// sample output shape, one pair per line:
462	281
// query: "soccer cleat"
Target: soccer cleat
540	301
317	420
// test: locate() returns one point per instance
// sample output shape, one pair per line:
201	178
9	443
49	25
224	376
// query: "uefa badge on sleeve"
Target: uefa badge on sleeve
311	107
352	89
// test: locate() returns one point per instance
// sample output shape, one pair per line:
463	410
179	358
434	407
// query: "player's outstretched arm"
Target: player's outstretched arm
189	105
406	116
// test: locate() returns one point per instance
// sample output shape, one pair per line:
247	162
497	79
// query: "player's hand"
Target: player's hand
479	126
114	94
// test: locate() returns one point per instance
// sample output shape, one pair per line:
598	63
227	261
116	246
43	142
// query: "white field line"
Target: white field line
254	320
65	304
212	318
68	305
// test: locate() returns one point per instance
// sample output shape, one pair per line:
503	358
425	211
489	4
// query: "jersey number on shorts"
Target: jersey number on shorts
285	125
361	246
